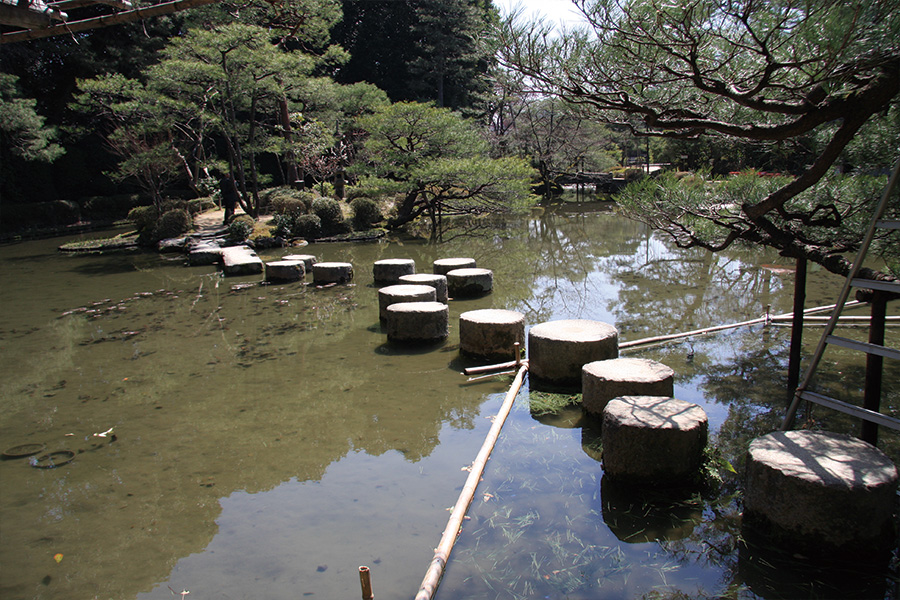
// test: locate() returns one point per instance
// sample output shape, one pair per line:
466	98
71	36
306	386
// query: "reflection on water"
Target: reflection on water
268	441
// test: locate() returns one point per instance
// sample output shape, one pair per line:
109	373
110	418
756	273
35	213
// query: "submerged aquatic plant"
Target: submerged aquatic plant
545	403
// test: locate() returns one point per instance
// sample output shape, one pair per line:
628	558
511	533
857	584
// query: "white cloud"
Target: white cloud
562	12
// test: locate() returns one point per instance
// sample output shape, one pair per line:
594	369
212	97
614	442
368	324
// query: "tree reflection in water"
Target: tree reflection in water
262	428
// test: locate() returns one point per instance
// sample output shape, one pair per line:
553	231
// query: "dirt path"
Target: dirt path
211	220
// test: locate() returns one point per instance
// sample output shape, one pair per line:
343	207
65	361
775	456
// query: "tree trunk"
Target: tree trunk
406	211
254	175
289	158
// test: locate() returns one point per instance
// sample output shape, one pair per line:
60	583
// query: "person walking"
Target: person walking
229	197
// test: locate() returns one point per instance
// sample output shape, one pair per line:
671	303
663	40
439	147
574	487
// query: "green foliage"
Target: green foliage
404	135
38	215
240	228
438	162
173	223
767	83
296	225
326	189
154	224
23	131
331	216
110	207
141	136
366	213
308	227
303	23
284	200
556	136
842	206
546	403
144	219
427	51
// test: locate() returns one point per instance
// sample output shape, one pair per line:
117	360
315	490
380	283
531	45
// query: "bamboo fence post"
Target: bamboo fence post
365	583
448	539
764	319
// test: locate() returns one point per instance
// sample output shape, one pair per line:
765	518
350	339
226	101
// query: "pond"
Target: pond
267	440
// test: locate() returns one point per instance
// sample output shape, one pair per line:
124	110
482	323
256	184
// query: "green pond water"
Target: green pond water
268	440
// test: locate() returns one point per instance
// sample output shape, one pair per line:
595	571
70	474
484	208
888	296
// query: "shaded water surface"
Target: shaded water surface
267	440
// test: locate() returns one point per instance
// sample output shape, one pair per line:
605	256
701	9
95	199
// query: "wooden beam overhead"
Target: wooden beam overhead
70	4
34	14
127	16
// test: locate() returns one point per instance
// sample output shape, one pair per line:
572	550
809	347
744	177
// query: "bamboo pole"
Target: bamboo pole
777	320
365	583
764	319
488	368
489	376
504	365
448	539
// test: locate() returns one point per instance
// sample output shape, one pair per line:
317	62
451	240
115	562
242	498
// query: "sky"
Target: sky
561	11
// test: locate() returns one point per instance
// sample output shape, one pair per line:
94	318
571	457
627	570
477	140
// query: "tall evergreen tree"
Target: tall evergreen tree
419	50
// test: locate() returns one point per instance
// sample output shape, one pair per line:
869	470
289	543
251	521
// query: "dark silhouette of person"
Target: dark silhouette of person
229	197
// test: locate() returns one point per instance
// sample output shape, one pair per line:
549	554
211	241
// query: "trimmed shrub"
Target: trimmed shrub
330	214
283	200
144	219
308	227
173	223
365	213
287	206
111	207
240	228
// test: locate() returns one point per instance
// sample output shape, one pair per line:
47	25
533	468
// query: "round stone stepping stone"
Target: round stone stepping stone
603	380
820	491
558	349
390	270
308	260
438	282
653	440
284	270
491	333
395	294
442	266
417	322
332	272
467	283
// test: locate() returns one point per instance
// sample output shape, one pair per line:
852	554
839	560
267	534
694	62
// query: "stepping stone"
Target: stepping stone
417	322
603	380
491	333
820	492
389	270
240	260
653	440
438	282
558	349
285	270
468	283
325	273
395	294
205	253
170	245
442	266
308	260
